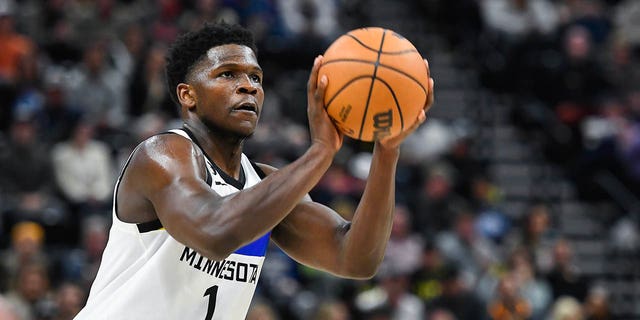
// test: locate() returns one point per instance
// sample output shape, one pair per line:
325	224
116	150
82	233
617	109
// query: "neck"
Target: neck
223	149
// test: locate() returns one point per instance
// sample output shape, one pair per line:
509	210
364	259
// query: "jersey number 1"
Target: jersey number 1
212	292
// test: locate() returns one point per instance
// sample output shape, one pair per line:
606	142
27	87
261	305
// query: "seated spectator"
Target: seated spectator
457	298
533	289
26	179
80	265
27	241
69	299
16	48
509	304
83	169
332	310
31	292
597	305
404	247
536	234
565	278
465	248
391	296
262	311
566	308
427	281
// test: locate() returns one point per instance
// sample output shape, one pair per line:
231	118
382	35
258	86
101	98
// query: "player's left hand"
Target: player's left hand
395	141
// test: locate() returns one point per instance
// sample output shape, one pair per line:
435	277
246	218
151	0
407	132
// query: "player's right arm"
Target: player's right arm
167	175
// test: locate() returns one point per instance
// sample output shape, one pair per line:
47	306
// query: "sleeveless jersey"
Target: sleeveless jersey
146	274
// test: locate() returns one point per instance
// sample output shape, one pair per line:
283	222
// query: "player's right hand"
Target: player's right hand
395	141
322	129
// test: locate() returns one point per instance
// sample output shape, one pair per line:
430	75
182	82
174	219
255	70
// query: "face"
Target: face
227	90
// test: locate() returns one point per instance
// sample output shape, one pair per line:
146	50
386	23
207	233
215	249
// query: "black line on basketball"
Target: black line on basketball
374	50
348	60
406	75
393	94
348	83
375	70
380	65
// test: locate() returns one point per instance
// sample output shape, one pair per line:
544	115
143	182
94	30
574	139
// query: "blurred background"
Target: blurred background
519	197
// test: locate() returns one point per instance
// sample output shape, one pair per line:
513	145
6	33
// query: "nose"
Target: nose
245	85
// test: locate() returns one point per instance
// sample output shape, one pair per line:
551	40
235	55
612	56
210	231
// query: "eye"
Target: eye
256	78
226	74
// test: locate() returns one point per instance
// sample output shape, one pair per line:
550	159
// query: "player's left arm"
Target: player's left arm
317	236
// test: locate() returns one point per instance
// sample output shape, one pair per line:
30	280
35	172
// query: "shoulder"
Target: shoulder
166	153
166	145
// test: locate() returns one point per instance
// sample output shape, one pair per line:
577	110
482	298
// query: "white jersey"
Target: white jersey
146	274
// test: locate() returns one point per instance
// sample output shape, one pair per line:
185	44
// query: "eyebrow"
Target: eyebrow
238	65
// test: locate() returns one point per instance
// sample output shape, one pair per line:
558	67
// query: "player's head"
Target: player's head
191	47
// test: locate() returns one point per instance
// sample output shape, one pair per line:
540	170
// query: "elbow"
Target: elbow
217	253
219	247
361	271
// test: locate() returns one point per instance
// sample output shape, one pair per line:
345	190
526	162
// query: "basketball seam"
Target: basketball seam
380	51
344	87
373	80
380	65
395	99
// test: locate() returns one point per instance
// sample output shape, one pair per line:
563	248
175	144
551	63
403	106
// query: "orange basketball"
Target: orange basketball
377	83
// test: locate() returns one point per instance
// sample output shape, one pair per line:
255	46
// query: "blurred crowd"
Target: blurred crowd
82	83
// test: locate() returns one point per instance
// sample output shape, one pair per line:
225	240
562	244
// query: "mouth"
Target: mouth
247	106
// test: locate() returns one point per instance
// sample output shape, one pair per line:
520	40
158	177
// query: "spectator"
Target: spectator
391	296
565	278
427	281
579	80
31	293
69	298
332	310
509	304
518	18
27	242
626	19
436	205
404	248
80	265
457	298
441	314
147	92
537	235
17	49
566	308
465	248
515	29
315	21
261	311
106	83
597	305
534	290
84	170
26	178
56	117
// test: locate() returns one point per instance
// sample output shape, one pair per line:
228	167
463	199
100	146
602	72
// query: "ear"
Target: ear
186	95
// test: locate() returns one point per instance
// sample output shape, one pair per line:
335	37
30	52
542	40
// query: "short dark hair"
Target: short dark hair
190	47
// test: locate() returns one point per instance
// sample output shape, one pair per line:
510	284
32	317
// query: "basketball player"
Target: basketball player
192	215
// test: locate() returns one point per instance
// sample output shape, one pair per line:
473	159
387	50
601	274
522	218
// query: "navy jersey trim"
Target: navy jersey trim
149	226
238	183
257	248
258	170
